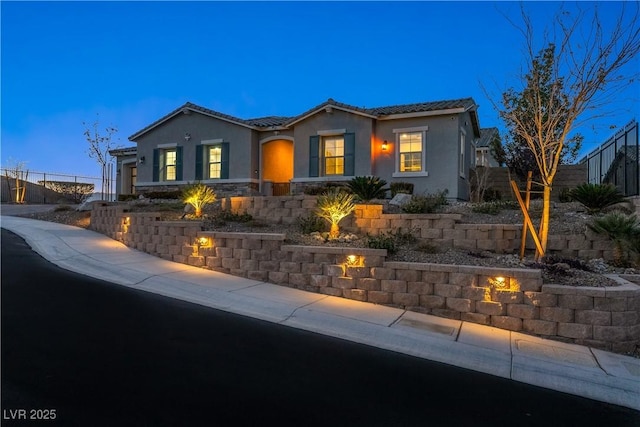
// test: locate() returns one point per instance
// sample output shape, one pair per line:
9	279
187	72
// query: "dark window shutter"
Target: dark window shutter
156	165
349	154
199	162
178	163
314	156
224	161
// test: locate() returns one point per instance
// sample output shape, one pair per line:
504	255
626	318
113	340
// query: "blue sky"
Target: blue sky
133	62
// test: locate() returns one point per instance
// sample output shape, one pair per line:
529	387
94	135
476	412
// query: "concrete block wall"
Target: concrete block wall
443	230
511	299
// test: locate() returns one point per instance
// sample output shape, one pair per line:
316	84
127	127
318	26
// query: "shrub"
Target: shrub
368	187
426	204
382	241
62	208
198	195
565	196
596	197
493	208
310	224
176	194
127	197
333	206
400	187
491	195
623	230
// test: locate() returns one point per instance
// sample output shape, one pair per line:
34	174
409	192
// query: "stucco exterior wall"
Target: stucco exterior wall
243	144
361	126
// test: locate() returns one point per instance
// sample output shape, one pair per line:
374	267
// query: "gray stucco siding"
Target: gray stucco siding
242	144
360	126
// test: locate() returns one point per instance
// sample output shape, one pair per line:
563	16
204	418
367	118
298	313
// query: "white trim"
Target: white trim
413	129
331	132
126	162
422	114
327	178
211	141
275	138
169	145
409	174
462	160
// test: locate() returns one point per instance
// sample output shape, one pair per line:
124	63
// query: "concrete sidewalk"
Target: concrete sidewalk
569	368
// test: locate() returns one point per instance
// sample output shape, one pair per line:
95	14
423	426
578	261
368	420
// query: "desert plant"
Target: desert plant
198	195
623	230
400	187
382	241
596	197
310	224
367	187
494	207
565	195
333	206
426	204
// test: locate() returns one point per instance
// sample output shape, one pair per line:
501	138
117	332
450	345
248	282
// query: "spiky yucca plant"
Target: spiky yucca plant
333	206
198	195
367	187
623	229
596	197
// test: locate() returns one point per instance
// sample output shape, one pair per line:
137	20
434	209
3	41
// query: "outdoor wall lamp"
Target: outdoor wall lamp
385	145
187	136
142	159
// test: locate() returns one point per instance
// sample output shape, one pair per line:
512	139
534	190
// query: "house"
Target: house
430	144
483	147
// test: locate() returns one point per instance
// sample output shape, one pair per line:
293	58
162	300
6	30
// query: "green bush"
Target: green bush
426	204
623	230
127	197
382	241
368	187
177	194
311	224
596	197
565	196
400	187
491	195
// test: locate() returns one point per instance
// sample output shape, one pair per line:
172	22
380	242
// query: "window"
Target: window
481	157
334	155
215	161
133	178
411	149
169	165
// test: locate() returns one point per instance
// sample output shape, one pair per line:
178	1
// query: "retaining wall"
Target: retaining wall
512	299
442	230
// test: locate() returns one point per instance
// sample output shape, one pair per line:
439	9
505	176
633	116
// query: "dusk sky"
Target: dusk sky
133	62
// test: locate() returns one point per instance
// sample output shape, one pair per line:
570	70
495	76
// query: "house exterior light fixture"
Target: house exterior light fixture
385	145
142	160
187	136
499	282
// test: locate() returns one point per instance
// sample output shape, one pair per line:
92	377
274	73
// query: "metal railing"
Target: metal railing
25	186
617	162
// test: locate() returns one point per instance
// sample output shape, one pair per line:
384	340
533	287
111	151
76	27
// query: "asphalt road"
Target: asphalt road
91	353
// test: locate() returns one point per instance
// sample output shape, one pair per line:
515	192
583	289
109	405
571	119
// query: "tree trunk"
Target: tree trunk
334	233
198	212
543	233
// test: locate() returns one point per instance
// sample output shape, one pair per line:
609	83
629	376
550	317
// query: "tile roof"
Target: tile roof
282	121
466	103
486	135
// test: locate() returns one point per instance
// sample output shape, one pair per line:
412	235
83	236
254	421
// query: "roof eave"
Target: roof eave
324	108
181	110
422	114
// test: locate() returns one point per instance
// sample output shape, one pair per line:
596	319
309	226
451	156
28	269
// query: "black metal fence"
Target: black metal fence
24	186
617	162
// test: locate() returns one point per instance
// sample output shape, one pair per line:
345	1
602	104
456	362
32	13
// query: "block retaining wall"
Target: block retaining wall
607	318
442	230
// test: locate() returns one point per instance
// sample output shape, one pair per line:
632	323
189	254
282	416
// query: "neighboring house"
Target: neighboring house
429	144
483	147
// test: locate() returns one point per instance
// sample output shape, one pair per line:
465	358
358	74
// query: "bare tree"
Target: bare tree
100	143
573	78
15	171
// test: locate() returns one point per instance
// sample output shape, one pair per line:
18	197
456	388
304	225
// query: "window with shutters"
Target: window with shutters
215	161
169	161
333	155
